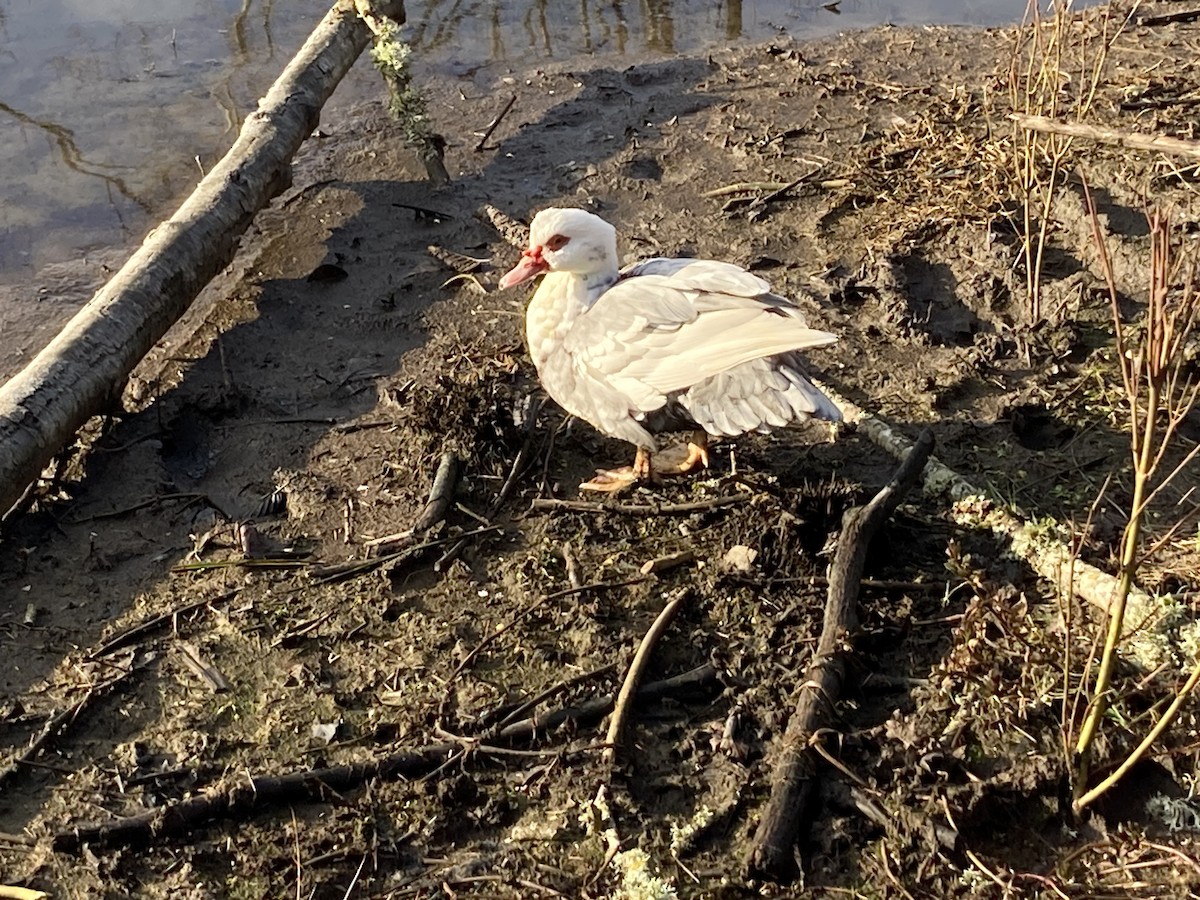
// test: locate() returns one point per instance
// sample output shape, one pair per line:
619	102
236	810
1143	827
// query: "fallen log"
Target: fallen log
81	373
772	853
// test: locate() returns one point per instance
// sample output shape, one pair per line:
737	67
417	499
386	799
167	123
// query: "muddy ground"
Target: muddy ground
317	384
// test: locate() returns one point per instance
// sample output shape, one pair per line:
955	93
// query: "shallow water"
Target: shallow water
110	109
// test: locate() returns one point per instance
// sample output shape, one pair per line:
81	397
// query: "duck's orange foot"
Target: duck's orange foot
612	480
681	459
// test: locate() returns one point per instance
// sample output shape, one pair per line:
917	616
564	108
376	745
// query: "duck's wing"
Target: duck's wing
677	323
701	275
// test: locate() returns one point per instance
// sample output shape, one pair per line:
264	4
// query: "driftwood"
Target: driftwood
82	371
1131	139
262	792
773	850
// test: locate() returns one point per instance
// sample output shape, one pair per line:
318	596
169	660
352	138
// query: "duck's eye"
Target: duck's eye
557	242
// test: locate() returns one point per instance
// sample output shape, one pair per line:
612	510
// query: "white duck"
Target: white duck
663	345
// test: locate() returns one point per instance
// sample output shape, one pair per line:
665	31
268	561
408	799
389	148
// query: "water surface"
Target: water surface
111	109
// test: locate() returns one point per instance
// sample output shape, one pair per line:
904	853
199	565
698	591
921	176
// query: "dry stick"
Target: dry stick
745	187
131	635
1130	139
202	668
515	620
554	689
971	506
57	724
695	681
543	504
441	493
772	854
78	374
241	800
351	568
152	501
515	233
1184	15
616	725
845	796
13	892
495	123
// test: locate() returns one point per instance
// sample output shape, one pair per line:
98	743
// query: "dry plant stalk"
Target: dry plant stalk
1041	73
1161	389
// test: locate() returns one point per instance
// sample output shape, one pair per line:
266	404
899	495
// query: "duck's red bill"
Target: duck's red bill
530	266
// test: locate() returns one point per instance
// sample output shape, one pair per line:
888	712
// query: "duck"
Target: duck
663	345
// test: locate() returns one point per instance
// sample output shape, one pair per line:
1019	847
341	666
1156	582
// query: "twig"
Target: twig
440	494
841	795
544	504
1134	141
518	466
572	565
616	725
58	723
971	506
150	501
240	563
131	635
240	800
533	407
792	779
425	212
515	234
1184	15
307	627
515	620
495	123
338	571
565	685
13	892
745	187
696	680
667	563
202	668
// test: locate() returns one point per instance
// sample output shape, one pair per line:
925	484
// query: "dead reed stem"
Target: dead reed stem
1161	391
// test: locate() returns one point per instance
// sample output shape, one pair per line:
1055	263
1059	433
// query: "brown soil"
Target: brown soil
317	403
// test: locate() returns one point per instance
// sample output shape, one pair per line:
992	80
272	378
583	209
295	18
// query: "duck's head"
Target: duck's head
566	240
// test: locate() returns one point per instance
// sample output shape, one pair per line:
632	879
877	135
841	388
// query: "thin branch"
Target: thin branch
616	725
541	504
1154	143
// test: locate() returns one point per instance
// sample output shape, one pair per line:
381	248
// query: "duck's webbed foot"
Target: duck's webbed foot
610	481
680	459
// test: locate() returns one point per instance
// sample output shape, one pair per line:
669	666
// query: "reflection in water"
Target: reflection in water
733	19
241	49
660	27
72	157
535	25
